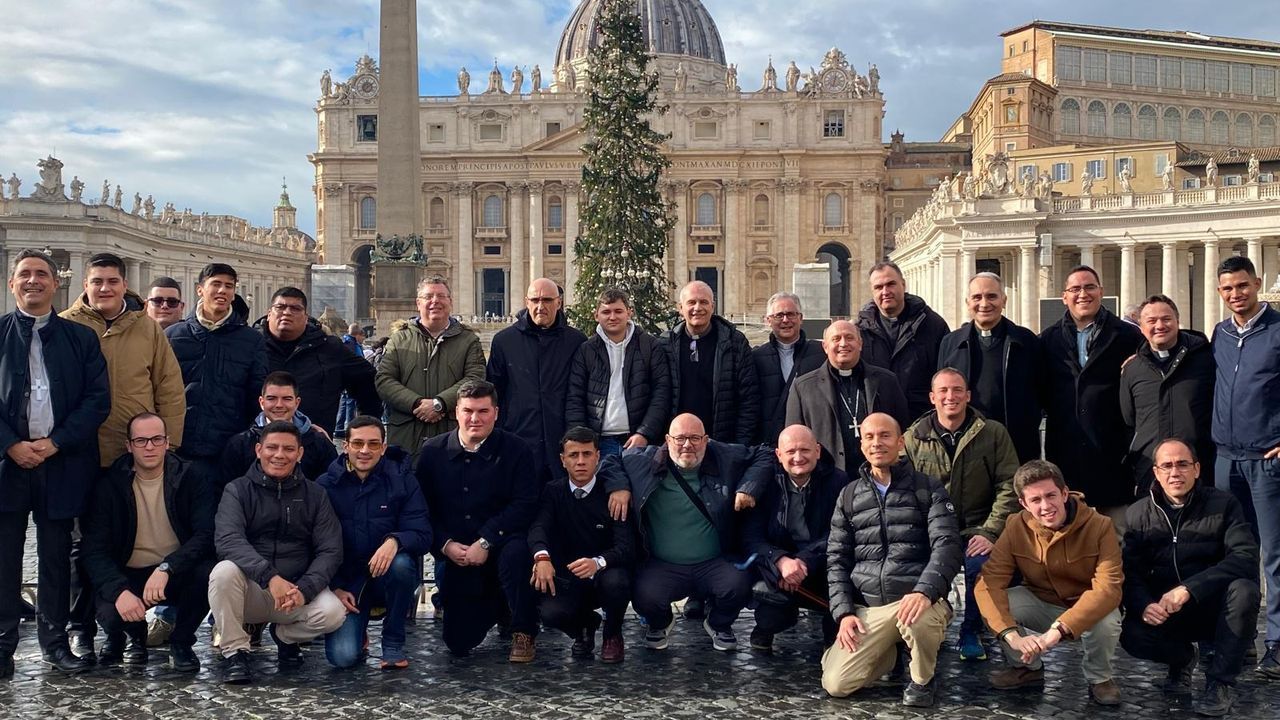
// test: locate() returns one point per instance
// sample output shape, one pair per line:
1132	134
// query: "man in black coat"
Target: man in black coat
1166	391
712	374
834	399
787	355
1190	575
582	556
620	383
481	487
54	387
787	532
901	334
1085	433
320	363
279	401
529	364
1001	363
148	541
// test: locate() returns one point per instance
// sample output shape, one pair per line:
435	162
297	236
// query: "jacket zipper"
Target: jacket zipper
1174	531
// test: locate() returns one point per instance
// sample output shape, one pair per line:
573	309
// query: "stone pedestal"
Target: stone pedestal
812	282
394	293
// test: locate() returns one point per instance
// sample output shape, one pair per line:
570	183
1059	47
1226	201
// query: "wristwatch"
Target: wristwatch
1062	630
437	404
484	544
164	568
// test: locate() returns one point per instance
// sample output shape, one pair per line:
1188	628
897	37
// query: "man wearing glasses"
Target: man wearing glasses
1190	575
279	402
223	363
529	364
786	356
384	530
1085	433
164	302
149	541
320	364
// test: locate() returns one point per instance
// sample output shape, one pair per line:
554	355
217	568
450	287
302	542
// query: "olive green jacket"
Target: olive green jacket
979	478
417	366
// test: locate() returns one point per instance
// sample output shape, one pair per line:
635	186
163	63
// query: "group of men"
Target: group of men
856	476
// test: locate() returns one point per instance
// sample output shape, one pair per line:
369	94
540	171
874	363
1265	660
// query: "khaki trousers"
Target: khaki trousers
235	601
844	672
1036	615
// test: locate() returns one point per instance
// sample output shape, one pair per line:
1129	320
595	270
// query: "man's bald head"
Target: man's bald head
543	302
881	438
687	441
842	342
798	452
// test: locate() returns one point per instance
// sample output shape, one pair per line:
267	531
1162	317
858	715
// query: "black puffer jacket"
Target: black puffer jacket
736	395
530	367
223	371
807	357
1211	545
1179	404
765	531
323	367
646	382
1085	434
881	549
914	358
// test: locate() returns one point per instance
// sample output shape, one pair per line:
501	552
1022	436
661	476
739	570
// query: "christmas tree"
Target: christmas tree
624	219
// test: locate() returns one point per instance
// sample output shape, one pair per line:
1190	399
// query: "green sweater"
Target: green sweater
678	531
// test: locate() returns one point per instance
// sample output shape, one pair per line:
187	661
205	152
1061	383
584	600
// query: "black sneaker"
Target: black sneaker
288	653
761	641
1178	681
239	669
1269	665
1216	700
183	659
920	695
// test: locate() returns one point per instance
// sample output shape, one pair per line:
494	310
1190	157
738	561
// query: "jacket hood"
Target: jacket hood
1078	515
415	325
823	470
923	427
122	468
631	332
525	325
302	422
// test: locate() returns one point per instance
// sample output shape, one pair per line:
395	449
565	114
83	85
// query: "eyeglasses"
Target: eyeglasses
1083	289
541	300
693	351
686	439
1167	467
362	444
165	302
433	296
284	309
781	316
156	441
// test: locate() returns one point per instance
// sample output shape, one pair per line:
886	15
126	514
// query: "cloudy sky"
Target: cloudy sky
209	104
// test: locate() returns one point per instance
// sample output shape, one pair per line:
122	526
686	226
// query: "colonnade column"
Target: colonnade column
1169	268
1127	275
1027	287
1212	304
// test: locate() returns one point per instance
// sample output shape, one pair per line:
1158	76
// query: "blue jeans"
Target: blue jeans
394	591
346	413
1256	484
610	447
972	617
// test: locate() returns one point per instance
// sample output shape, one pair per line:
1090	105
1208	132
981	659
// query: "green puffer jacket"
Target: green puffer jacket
979	478
416	366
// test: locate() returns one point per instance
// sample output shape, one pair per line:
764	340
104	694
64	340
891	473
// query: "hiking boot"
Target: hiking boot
1105	693
971	647
1178	681
522	648
613	651
1013	677
761	641
921	696
239	669
1216	700
158	632
722	640
658	638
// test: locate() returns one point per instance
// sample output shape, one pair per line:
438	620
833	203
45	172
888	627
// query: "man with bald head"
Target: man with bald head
713	374
1001	363
834	399
893	551
787	531
529	363
684	494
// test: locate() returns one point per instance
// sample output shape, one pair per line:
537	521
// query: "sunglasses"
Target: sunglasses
165	302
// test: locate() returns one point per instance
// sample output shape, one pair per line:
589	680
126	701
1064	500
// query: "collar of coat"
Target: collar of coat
1078	516
490	448
525	325
175	469
238	315
914	309
341	471
84	313
261	479
924	429
724	331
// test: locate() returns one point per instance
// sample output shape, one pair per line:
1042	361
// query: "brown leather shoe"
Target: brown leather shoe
1105	693
613	650
1012	677
522	649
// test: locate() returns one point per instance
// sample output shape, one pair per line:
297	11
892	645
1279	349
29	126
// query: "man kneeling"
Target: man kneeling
281	545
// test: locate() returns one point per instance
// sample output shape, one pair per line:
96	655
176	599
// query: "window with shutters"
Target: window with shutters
1241	79
368	213
1264	81
1244	130
1215	77
1218	128
1195	126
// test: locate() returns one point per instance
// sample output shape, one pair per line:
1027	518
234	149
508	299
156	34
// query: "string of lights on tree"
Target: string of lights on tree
624	220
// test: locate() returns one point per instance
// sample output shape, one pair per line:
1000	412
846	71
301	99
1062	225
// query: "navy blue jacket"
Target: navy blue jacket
765	531
491	493
530	367
81	397
774	389
1246	399
387	504
223	372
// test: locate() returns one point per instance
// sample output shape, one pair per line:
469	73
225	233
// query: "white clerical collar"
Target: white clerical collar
41	320
1162	354
984	333
588	487
844	373
788	346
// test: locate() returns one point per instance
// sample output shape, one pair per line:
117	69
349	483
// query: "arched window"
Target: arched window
706	209
1097	119
1121	121
1147	123
435	213
832	210
1267	131
1172	125
1218	128
1195	126
492	215
760	210
368	213
1070	117
1244	130
555	213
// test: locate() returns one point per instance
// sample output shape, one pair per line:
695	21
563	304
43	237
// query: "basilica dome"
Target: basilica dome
672	27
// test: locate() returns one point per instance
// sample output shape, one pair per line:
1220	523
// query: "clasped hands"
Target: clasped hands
31	453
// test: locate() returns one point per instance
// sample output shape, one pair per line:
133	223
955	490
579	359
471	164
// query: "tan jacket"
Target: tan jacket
142	369
1078	568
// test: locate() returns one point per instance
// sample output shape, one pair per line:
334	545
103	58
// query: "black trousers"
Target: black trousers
572	608
658	584
83	598
1228	621
53	548
774	618
188	592
475	597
